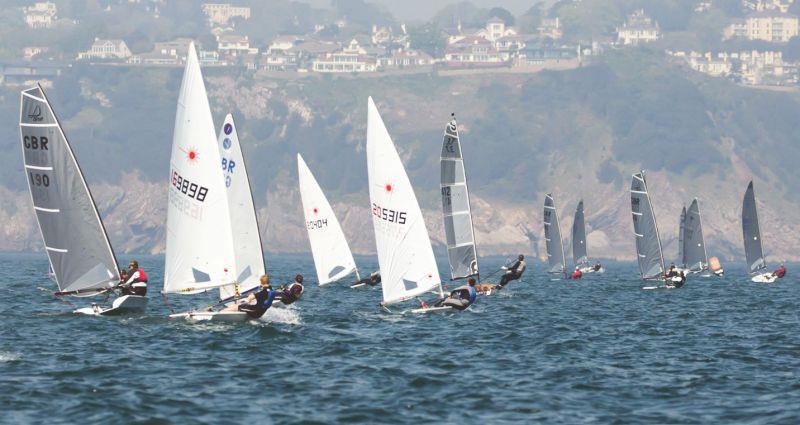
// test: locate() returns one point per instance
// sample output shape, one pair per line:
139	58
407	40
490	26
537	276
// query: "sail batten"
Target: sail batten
751	232
648	242
552	236
405	255
456	210
579	249
77	246
248	251
199	243
333	259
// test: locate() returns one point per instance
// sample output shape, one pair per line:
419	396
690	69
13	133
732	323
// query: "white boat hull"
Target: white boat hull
764	278
585	270
126	304
426	310
212	316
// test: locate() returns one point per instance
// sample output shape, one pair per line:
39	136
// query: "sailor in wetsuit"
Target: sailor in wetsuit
371	280
514	272
681	279
461	297
135	282
577	274
780	272
257	304
292	293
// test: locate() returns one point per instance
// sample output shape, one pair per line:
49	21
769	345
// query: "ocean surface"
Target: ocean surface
599	350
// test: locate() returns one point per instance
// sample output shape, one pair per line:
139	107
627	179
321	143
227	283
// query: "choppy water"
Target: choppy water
596	351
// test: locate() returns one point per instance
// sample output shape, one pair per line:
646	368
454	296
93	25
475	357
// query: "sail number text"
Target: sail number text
188	188
391	216
33	142
37	179
316	224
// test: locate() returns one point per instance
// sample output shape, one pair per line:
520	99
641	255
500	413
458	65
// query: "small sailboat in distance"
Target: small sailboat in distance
80	256
751	232
579	244
405	255
552	238
332	256
456	211
695	256
648	242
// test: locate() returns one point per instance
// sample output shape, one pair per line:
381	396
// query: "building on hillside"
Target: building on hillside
472	51
235	45
495	29
342	62
539	54
29	73
638	28
405	58
283	43
714	65
165	53
750	67
221	13
30	52
550	28
279	61
760	5
767	25
510	45
107	49
41	15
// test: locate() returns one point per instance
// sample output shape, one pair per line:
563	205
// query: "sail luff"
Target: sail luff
75	238
456	208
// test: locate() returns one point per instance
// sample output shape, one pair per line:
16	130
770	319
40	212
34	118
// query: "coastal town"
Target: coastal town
495	47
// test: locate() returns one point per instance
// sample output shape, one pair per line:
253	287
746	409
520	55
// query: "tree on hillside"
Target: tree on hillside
464	13
361	13
528	22
504	14
428	38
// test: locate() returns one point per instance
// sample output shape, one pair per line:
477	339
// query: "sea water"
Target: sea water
598	350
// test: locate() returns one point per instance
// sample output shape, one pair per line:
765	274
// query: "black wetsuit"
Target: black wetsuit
514	272
264	300
371	280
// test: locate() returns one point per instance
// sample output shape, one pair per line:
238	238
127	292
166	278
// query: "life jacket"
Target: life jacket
472	294
268	302
576	274
142	276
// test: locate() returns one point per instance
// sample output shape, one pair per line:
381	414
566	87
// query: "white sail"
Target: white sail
332	256
648	241
405	255
248	253
199	251
81	259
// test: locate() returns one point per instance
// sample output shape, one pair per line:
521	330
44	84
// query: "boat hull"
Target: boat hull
124	305
764	278
212	316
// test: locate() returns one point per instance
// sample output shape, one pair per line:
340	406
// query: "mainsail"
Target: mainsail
247	250
648	242
682	238
332	256
694	246
408	267
456	211
199	250
753	250
80	255
552	237
579	255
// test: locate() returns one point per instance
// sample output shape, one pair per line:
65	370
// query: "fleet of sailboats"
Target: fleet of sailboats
212	233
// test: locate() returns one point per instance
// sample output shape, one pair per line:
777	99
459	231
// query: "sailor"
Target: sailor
371	280
597	266
679	279
577	274
292	293
780	272
257	304
136	281
514	272
672	272
461	297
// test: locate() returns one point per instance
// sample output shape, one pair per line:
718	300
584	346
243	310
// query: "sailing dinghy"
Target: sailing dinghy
579	248
693	249
456	209
753	248
405	255
200	253
82	262
552	238
332	256
648	241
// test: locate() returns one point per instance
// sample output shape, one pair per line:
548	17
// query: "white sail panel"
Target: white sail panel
552	237
81	259
648	242
751	231
199	250
248	253
408	267
332	257
456	211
